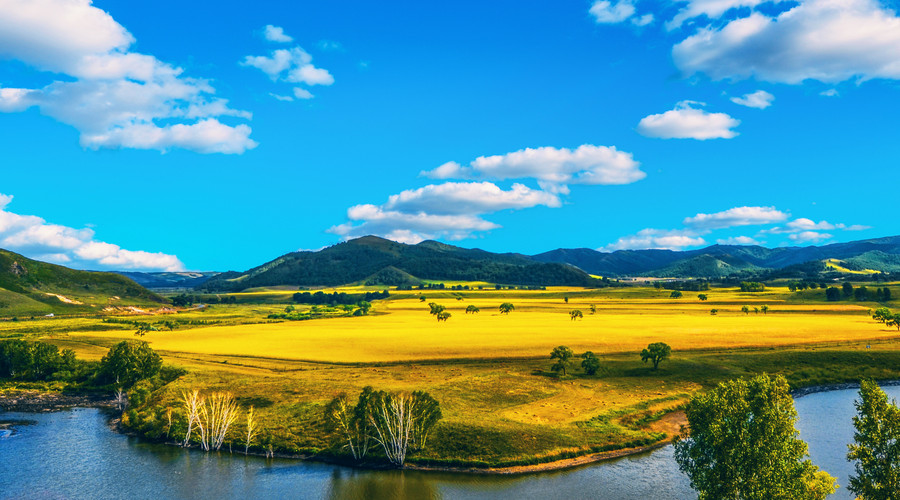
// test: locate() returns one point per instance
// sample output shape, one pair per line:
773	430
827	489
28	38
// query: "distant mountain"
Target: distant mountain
169	279
31	287
878	254
385	262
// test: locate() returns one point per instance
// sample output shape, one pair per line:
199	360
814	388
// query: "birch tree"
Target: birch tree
251	429
192	402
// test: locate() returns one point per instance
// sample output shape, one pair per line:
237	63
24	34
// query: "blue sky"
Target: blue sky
219	135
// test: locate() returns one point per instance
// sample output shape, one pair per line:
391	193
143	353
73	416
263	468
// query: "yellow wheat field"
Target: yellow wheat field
402	330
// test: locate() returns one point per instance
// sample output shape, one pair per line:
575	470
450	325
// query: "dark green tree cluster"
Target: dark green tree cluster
752	286
884	315
128	362
803	285
338	298
684	286
397	422
185	300
33	361
743	445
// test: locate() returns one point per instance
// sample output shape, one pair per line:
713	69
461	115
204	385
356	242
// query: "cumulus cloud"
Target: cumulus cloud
553	168
734	217
672	239
809	236
738	240
276	34
451	210
830	93
34	237
112	95
688	122
826	40
292	66
606	12
803	224
759	100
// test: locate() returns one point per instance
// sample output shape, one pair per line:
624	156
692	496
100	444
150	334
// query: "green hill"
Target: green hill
31	287
390	263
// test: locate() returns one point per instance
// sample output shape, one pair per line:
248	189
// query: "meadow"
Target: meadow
490	371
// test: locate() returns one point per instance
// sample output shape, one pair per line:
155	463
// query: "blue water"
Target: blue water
73	454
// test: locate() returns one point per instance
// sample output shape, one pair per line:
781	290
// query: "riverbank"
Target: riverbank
35	401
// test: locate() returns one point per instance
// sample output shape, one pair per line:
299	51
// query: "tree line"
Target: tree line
337	298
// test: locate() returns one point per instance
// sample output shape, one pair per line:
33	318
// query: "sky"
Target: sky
219	135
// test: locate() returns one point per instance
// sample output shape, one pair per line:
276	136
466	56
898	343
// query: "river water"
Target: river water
73	454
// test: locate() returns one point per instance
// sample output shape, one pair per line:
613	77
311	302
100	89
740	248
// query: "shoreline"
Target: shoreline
35	401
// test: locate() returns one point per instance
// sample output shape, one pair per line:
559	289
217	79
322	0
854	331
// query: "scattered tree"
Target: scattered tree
894	320
575	314
713	312
506	307
364	306
593	309
752	286
655	353
251	430
702	296
882	314
745	309
590	363
566	299
472	309
443	316
676	294
764	309
861	294
742	444
435	308
832	294
755	310
563	356
350	423
847	289
876	448
401	420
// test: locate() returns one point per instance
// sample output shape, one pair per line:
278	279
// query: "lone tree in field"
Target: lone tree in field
436	309
443	316
876	448
563	356
764	309
593	309
566	300
655	353
882	314
742	444
472	309
506	307
894	320
702	296
590	362
745	309
575	314
676	294
713	312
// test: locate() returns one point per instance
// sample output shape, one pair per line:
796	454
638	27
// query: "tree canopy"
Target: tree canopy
655	353
563	356
128	362
506	307
743	445
876	447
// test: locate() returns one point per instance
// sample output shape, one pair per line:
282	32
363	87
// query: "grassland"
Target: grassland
502	406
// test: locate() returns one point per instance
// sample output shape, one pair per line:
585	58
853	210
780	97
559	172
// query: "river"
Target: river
73	454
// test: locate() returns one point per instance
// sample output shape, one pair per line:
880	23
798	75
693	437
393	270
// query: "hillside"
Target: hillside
31	287
168	279
390	263
877	254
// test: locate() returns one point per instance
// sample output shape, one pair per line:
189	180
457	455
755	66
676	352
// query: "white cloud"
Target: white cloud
34	237
830	93
734	217
282	97
759	100
857	227
451	210
804	224
673	239
111	93
826	40
608	12
276	34
738	240
809	236
292	65
453	198
713	9
553	168
688	122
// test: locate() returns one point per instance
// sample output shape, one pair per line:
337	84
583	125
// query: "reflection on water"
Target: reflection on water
73	454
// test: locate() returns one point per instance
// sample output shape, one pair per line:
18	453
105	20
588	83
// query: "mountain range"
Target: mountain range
377	261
